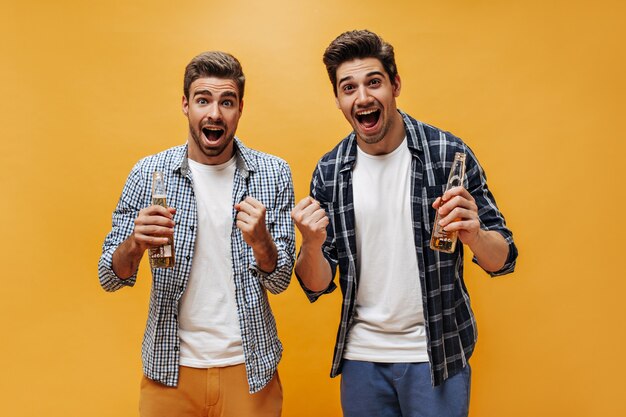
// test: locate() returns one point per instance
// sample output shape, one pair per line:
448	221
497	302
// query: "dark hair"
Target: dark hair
214	64
358	44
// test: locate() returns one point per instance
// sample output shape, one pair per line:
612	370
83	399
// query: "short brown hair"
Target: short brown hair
214	64
358	44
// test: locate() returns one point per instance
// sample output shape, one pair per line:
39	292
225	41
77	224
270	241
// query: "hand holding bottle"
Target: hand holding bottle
444	238
154	226
457	212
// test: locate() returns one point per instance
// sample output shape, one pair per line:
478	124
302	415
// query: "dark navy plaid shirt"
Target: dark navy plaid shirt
450	323
264	177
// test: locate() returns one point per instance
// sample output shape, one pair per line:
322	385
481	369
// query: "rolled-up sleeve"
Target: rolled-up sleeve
283	233
122	226
490	216
318	192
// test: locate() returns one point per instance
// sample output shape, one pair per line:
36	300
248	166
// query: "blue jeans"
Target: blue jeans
372	389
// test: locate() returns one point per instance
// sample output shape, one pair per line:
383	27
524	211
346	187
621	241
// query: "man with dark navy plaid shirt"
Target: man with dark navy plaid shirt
210	344
407	329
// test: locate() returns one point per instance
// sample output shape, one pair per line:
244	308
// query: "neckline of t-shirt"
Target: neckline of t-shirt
211	168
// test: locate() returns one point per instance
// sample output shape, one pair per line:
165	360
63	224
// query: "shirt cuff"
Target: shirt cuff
314	295
277	280
108	279
509	264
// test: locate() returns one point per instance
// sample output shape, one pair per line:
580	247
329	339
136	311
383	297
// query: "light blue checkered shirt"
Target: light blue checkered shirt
262	176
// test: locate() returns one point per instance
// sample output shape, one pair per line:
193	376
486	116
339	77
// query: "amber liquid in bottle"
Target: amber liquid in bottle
163	256
441	240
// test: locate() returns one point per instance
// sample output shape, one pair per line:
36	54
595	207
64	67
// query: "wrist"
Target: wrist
263	243
133	248
310	247
478	239
265	253
267	258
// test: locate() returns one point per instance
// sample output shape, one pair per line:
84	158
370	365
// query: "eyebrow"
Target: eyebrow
228	93
369	74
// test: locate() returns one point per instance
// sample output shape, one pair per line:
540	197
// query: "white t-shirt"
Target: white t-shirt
389	320
208	323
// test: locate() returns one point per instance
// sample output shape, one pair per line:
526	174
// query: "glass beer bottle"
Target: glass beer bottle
162	256
441	240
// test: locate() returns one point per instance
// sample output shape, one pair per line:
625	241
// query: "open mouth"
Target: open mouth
368	118
213	134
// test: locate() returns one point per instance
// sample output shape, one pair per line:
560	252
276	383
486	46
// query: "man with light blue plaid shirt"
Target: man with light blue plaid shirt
210	345
407	329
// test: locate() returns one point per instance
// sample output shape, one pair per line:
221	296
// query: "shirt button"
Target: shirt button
191	228
188	257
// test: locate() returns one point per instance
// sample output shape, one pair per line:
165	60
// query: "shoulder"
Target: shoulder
163	161
338	152
169	156
344	152
431	136
267	164
268	167
267	160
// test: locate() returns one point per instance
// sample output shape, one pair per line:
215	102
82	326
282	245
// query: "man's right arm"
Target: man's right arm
132	232
311	266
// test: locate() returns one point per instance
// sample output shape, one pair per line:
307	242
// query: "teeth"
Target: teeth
365	112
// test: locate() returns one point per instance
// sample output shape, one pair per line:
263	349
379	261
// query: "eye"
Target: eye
347	88
227	103
202	101
375	81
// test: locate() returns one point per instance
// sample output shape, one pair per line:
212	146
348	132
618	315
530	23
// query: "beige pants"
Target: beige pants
213	392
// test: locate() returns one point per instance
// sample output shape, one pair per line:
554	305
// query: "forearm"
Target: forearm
491	250
126	258
266	255
313	268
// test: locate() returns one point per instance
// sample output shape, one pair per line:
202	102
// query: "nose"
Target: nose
213	112
362	98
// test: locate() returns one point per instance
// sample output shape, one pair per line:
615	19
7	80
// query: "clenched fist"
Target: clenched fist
251	222
311	220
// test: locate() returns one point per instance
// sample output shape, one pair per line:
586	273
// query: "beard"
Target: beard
376	137
210	150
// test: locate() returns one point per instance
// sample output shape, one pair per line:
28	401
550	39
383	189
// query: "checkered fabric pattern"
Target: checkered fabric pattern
264	177
450	323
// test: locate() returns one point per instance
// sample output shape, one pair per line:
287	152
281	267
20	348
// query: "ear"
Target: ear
240	106
337	102
396	86
185	106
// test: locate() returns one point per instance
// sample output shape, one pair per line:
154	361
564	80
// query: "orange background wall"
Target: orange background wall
536	88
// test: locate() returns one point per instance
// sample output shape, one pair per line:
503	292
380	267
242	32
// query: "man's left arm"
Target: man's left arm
474	215
273	248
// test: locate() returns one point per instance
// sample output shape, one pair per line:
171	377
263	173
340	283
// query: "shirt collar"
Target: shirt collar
413	138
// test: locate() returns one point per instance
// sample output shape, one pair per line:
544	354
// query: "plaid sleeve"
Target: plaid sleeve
124	216
490	216
283	233
318	192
